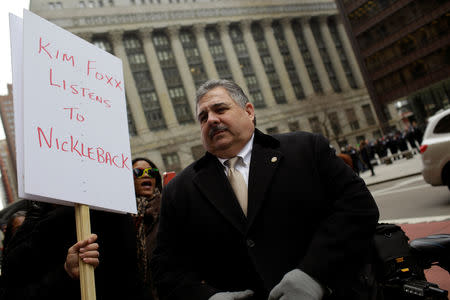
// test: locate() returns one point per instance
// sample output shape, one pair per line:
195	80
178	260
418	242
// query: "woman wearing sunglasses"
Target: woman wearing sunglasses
147	185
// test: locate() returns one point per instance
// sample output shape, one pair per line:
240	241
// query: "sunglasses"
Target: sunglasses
138	173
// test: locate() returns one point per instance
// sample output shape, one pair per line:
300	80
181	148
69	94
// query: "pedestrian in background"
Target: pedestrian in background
147	185
355	158
365	156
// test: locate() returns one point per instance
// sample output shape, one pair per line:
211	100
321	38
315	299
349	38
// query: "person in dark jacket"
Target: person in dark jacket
260	216
41	258
365	156
401	141
418	132
392	145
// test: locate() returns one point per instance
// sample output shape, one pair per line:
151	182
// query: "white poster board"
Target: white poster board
71	119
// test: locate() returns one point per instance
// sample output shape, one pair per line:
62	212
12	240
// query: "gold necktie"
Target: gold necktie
237	183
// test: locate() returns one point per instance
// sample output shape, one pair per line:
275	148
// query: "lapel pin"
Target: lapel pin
274	159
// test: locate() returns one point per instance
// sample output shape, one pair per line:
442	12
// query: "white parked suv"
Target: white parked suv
435	149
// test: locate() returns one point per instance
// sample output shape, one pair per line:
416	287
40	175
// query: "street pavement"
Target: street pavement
400	168
415	227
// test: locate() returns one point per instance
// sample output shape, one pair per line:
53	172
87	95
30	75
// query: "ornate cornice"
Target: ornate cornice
198	14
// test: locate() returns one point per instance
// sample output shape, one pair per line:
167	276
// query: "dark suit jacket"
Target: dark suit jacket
306	210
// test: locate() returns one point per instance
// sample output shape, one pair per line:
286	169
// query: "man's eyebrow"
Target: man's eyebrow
219	104
213	106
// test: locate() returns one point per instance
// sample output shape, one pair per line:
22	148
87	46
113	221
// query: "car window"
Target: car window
443	126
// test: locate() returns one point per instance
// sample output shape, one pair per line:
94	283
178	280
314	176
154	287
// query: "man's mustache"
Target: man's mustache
213	130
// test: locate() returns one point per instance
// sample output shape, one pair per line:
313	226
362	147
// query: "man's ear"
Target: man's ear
250	110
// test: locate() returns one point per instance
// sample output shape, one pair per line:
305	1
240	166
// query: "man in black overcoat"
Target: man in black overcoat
303	232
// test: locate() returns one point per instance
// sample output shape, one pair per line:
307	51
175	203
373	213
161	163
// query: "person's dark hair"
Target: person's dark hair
158	176
233	89
9	230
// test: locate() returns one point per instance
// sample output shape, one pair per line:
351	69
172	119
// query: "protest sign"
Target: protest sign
71	121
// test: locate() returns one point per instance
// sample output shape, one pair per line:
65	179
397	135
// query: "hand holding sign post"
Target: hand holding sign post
71	123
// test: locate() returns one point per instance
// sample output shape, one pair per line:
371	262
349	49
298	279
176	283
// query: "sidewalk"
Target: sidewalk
398	169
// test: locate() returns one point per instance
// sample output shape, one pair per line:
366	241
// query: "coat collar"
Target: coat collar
210	178
264	162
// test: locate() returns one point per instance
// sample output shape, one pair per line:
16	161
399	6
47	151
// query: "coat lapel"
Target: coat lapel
213	183
264	162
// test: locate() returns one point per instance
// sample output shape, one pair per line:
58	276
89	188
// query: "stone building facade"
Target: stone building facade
292	58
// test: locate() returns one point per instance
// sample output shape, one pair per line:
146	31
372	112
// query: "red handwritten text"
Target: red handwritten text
45	50
75	89
80	118
101	76
72	145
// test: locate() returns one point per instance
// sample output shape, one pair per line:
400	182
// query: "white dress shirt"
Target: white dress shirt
243	165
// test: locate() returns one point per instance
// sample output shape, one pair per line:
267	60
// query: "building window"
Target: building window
103	44
296	28
244	60
82	4
172	76
288	63
172	162
193	57
323	51
376	134
144	82
368	114
315	125
261	45
294	126
334	123
340	49
352	119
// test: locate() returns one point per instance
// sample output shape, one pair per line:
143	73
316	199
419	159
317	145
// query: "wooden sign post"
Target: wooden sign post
87	279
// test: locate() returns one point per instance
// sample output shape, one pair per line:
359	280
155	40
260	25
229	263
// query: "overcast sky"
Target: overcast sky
7	6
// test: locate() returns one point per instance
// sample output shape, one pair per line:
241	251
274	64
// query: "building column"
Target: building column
133	97
315	56
235	66
278	61
334	56
349	53
183	67
257	64
158	78
208	61
297	58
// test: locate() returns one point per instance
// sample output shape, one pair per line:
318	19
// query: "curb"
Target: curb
392	179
